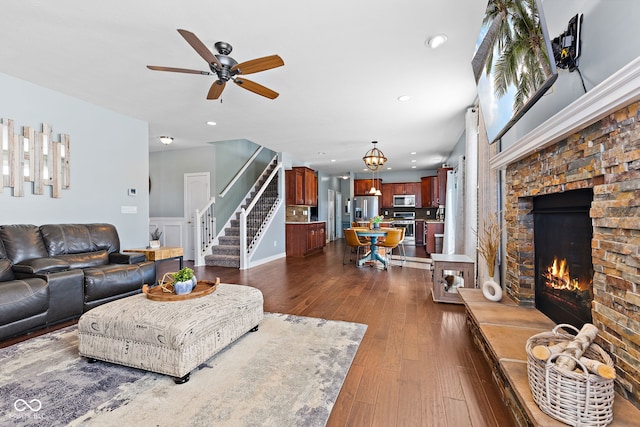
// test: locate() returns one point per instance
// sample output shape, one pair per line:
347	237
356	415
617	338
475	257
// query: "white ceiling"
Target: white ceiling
346	63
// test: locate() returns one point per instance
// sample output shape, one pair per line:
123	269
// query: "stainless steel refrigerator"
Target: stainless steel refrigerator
365	207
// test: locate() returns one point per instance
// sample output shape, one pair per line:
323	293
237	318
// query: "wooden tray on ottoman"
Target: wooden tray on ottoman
204	287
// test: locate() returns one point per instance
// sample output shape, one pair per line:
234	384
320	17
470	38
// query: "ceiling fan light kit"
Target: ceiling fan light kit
226	68
374	158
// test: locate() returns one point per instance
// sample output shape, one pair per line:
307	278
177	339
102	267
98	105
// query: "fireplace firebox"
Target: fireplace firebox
563	232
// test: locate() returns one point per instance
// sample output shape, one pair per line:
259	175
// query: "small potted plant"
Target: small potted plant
155	239
376	220
184	281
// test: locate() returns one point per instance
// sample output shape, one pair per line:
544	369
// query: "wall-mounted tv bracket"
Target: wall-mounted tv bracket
566	47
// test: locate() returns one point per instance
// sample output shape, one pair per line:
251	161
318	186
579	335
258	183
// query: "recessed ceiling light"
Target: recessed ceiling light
321	153
413	153
413	160
389	168
211	123
345	176
436	41
413	167
404	98
333	160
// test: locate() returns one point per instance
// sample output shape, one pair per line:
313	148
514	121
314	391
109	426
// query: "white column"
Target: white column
471	184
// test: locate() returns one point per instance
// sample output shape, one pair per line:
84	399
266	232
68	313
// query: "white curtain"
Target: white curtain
449	242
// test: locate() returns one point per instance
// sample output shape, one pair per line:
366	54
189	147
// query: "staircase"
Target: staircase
227	252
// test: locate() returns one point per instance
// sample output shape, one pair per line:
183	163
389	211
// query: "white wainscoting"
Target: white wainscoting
173	230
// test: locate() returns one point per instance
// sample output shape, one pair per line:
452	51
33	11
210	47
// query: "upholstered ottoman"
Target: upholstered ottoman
172	337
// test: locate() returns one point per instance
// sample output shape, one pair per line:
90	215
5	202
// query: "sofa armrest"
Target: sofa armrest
40	266
128	258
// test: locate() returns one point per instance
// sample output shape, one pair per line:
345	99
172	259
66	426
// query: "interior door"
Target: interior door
338	211
331	215
196	196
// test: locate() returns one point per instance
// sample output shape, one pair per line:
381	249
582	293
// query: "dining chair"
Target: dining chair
392	240
352	242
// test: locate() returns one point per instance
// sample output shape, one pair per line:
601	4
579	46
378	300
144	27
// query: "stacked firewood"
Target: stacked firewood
568	352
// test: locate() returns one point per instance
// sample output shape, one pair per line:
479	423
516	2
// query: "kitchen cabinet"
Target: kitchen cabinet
301	186
432	228
404	188
420	232
361	187
305	238
442	185
387	195
429	191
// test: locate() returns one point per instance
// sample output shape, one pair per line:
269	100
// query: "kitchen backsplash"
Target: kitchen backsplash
421	213
298	213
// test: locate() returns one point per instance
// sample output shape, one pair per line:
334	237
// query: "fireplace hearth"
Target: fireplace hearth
563	264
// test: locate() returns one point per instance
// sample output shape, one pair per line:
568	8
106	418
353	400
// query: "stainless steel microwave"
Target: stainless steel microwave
404	201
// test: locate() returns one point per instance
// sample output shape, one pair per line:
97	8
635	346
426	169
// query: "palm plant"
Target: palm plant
497	35
523	62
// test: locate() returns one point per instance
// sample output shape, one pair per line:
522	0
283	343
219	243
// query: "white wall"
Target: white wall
109	154
610	34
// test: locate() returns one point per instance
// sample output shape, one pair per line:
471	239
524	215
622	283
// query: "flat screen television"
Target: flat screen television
513	63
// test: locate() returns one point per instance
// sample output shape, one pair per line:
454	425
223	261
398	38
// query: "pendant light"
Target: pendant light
374	158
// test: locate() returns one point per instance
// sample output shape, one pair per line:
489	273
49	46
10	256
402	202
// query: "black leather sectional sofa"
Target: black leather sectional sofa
55	272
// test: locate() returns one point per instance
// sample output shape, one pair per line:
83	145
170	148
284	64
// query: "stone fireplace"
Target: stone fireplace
563	231
602	158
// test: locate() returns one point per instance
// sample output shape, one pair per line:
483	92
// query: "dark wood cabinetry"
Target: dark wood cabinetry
302	186
429	190
420	233
361	187
442	185
387	195
402	188
305	238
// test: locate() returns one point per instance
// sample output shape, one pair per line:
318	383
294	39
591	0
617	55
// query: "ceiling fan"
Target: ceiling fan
227	68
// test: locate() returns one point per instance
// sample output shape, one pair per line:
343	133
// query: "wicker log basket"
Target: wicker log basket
572	397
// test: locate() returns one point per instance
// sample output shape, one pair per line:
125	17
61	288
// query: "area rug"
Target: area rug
287	373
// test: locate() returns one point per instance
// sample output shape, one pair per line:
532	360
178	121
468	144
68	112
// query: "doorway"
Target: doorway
196	195
331	217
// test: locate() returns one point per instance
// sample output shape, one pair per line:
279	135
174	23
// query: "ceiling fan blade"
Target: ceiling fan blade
199	47
216	89
259	64
256	88
177	70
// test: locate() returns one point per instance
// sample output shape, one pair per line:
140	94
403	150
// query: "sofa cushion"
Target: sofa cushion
22	242
22	299
105	236
41	266
86	259
66	239
112	279
6	273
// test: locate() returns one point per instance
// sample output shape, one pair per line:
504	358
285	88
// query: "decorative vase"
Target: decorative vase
182	288
492	290
376	225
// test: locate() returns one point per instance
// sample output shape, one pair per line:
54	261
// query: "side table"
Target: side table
451	272
163	253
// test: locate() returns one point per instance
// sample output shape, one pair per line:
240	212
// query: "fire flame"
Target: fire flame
557	276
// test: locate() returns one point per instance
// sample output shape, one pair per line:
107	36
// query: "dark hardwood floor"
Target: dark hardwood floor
417	364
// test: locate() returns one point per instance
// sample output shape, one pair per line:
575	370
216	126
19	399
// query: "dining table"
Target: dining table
373	234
